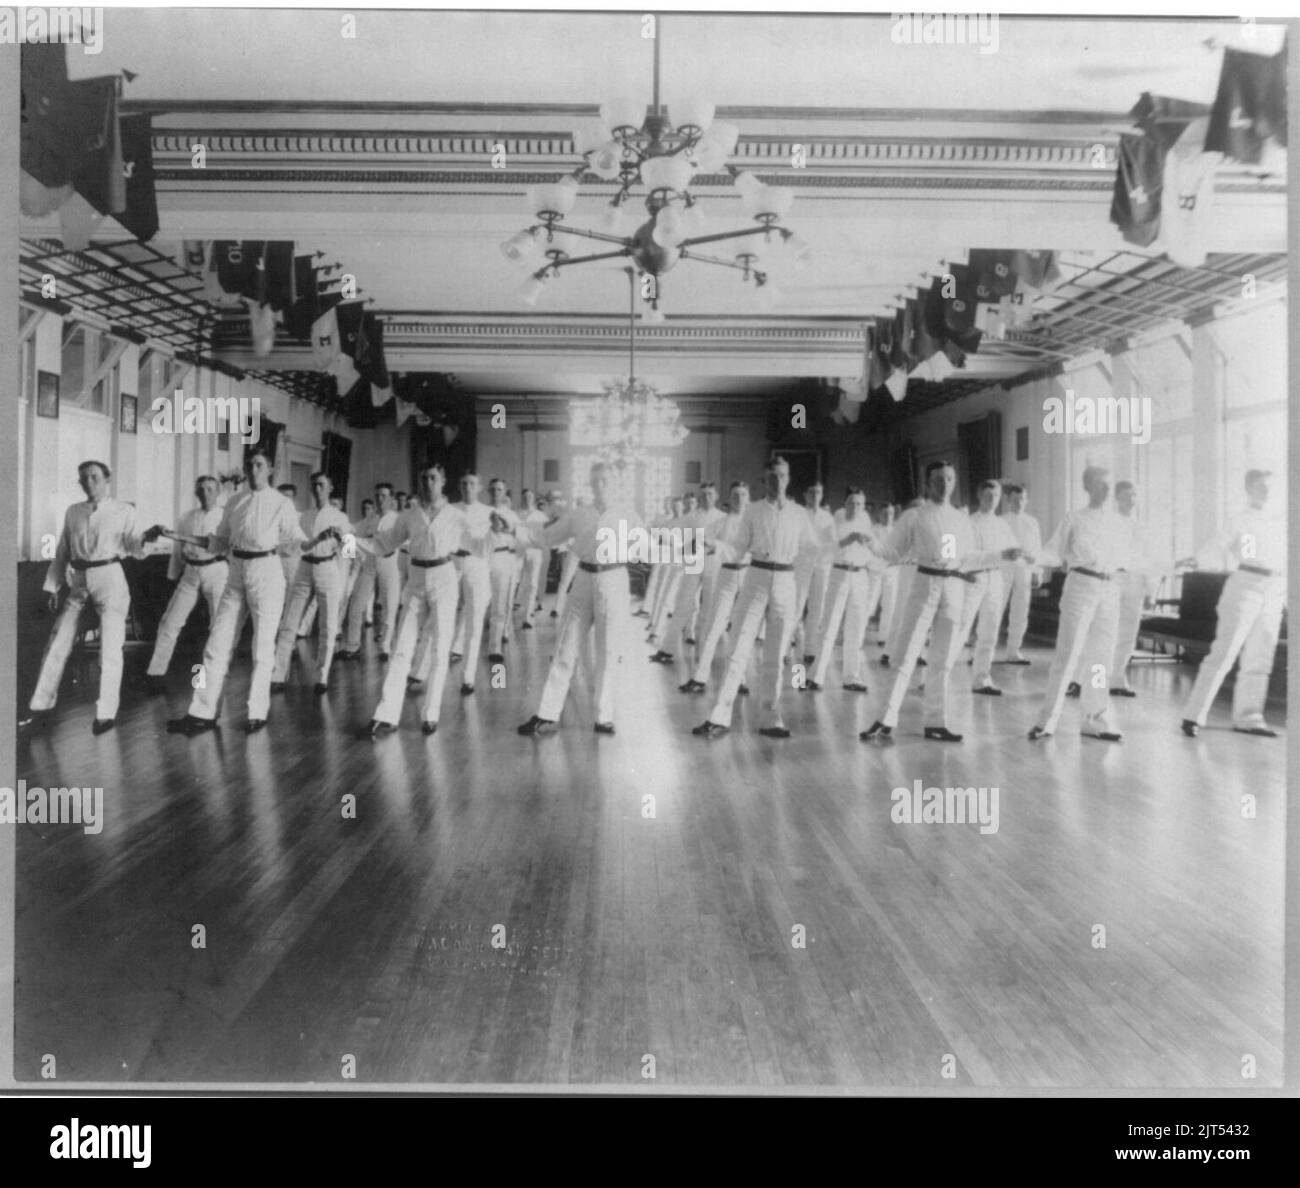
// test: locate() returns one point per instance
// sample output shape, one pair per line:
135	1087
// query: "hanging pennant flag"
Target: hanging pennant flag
380	396
99	173
896	383
350	316
238	270
995	273
1165	118
306	305
213	293
959	308
36	200
1036	271
262	323
1135	203
1187	204
278	273
929	322
370	350
140	216
78	222
325	339
1250	107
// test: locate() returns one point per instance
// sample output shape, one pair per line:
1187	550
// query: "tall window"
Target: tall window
84	351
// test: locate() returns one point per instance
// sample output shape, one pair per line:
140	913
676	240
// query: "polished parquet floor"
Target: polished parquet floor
933	956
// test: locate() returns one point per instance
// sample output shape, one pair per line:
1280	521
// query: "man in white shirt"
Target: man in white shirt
501	570
984	600
256	526
88	559
940	538
886	584
717	613
697	542
379	577
319	574
475	581
777	534
1249	613
848	594
1094	545
812	575
435	529
1021	577
598	605
658	570
675	538
534	559
200	573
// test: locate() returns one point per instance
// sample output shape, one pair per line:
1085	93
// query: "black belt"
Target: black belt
504	549
591	567
957	573
318	560
774	566
734	565
849	568
385	556
1092	573
1259	569
82	566
245	555
209	561
429	564
461	553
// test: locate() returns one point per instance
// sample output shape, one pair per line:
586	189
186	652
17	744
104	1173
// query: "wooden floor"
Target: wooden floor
928	947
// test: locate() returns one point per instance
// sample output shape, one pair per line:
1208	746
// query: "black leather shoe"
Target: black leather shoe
1190	728
808	659
692	686
253	725
604	728
811	687
496	658
189	725
710	730
1104	735
453	657
1038	732
876	729
988	690
1120	691
429	727
743	691
321	688
774	732
278	686
466	689
536	726
661	657
383	656
1021	661
528	626
376	729
1257	731
922	663
884	660
856	687
347	655
553	615
1073	689
102	725
33	720
941	734
689	642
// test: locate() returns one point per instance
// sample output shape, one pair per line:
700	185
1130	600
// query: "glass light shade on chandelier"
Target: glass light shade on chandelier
764	201
523	248
625	111
607	161
667	173
553	198
532	289
692	115
669	227
613	220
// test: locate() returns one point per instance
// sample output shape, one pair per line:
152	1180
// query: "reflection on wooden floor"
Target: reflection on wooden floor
929	949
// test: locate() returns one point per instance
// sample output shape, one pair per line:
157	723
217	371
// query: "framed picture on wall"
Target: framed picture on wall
223	433
47	394
128	414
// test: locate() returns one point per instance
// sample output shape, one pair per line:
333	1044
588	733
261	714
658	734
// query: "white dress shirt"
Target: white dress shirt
780	535
432	535
584	528
855	553
823	524
1091	538
992	532
478	529
314	522
257	521
1254	536
504	540
938	536
195	522
93	532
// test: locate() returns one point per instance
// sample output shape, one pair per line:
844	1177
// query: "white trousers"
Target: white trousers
568	570
984	614
902	595
934	604
430	613
1085	634
326	582
716	616
765	596
687	607
381	578
1250	616
195	580
531	582
669	590
810	593
597	605
257	584
471	615
888	602
501	584
847	597
104	588
1017	591
652	587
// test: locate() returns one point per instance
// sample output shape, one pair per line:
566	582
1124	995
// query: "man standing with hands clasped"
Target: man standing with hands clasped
941	540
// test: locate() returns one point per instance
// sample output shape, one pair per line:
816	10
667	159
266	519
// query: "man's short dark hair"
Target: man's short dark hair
320	474
849	492
108	474
940	465
1125	485
1013	489
384	487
